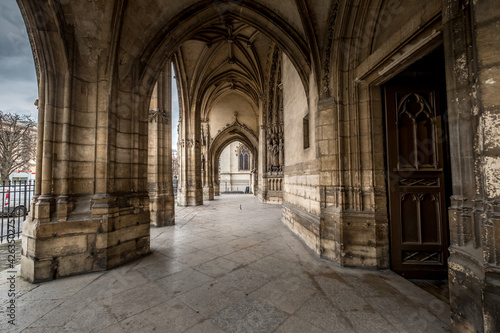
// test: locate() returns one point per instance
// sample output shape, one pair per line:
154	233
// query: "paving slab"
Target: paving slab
222	269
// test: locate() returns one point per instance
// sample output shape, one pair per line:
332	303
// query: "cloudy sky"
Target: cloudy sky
18	86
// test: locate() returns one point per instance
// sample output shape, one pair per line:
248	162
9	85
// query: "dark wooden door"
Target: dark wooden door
416	148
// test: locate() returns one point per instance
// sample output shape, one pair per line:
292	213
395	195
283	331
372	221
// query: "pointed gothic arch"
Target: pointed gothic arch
234	132
187	23
97	73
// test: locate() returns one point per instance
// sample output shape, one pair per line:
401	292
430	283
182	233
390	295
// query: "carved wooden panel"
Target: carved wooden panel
419	181
416	180
418	215
426	257
416	131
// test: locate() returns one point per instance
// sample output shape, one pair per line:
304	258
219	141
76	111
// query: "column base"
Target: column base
354	239
474	294
85	242
162	210
208	193
189	198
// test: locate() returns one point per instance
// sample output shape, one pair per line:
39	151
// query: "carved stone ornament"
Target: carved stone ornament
235	123
160	116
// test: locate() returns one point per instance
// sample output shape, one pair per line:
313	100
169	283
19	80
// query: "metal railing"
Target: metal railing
15	198
176	184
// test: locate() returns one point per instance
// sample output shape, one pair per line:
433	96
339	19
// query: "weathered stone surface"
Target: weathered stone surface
301	87
291	286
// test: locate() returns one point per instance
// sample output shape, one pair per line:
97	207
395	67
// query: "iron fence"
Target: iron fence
15	200
176	184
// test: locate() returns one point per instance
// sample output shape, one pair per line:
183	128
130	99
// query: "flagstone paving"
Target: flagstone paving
225	269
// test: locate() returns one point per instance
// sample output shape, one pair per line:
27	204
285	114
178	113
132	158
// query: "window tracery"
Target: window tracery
244	159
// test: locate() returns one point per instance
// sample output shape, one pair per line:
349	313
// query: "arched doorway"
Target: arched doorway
235	132
235	166
95	113
97	73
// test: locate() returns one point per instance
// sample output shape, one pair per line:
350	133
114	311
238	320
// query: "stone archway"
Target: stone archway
84	216
92	203
241	72
231	133
97	74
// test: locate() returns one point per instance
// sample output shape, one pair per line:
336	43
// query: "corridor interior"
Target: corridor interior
227	266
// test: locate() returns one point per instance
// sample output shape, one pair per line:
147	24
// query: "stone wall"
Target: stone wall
231	178
471	47
301	197
222	114
97	65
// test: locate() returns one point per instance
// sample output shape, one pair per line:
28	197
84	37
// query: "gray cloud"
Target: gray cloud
14	39
18	85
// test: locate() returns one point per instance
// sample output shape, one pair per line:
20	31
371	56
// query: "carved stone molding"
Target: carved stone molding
159	116
235	123
352	198
332	17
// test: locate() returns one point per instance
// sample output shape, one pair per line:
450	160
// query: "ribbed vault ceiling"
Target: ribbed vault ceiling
225	57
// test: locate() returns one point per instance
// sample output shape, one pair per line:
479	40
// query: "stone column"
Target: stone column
190	191
203	170
44	203
90	211
255	176
473	81
216	188
262	158
208	186
86	155
179	156
160	186
63	204
215	175
329	233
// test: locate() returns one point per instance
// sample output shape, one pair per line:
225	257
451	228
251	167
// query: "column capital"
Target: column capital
159	116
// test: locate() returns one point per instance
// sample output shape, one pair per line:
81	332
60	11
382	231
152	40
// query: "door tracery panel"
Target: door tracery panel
416	179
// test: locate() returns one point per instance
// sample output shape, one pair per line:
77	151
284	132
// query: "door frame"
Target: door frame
388	61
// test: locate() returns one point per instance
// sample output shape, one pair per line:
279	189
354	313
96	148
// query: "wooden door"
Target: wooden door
416	170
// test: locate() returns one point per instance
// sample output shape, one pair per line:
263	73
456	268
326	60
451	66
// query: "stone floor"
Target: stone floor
5	250
227	266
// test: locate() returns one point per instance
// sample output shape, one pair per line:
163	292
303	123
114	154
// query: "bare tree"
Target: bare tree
17	143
